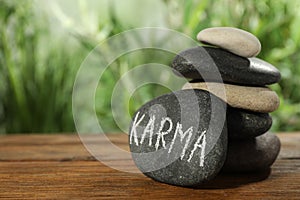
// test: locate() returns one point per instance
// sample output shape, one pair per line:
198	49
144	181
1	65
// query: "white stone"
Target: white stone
234	40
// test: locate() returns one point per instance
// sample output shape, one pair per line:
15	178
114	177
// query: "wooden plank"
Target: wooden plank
53	147
79	179
290	145
69	147
58	166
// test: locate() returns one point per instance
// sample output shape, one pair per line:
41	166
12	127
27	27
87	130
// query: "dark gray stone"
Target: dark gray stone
244	124
257	154
208	63
170	158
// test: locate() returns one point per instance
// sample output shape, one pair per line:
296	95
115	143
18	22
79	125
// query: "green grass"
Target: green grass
38	67
37	74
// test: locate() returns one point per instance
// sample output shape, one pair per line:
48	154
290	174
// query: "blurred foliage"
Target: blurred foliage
37	73
42	44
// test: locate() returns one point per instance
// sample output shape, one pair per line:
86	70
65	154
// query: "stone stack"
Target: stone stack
218	121
249	100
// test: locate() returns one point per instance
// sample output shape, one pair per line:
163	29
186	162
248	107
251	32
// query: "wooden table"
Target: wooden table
59	167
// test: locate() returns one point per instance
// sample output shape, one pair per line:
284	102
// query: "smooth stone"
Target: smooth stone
235	40
217	65
243	124
252	155
257	99
260	67
198	151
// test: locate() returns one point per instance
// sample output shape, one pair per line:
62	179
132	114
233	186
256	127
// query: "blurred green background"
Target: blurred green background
43	43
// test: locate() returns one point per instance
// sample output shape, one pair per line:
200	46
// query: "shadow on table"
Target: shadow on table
232	180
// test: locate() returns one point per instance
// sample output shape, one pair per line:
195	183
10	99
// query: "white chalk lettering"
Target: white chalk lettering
201	145
133	133
149	129
161	134
182	134
166	123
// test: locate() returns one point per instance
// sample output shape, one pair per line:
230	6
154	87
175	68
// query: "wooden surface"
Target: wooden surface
59	167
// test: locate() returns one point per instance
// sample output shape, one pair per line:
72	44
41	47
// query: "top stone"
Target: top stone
234	40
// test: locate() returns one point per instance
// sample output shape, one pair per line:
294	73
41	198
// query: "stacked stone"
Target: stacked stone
187	137
249	100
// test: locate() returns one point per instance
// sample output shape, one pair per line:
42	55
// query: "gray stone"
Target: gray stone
256	154
243	124
257	99
208	63
180	138
263	71
235	40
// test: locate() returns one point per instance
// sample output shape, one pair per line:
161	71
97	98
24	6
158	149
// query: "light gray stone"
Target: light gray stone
235	40
257	99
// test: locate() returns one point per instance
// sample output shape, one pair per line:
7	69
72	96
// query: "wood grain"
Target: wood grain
59	167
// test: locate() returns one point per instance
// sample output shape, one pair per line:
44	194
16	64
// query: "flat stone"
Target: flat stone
252	155
217	65
243	124
235	40
180	138
257	99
